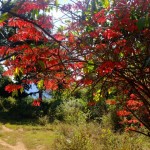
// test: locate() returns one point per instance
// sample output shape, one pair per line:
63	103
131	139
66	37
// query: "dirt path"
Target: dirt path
19	145
5	129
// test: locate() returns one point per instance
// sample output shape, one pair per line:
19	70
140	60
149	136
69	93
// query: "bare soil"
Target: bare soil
19	145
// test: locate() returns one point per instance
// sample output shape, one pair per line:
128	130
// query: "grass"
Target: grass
33	136
37	138
63	136
10	137
92	136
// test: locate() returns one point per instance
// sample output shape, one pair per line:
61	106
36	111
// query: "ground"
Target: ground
19	145
62	136
26	138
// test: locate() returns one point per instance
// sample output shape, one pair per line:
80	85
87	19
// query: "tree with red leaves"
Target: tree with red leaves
29	50
105	46
113	48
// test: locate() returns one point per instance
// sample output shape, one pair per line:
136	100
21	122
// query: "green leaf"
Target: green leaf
141	23
15	93
35	13
105	3
56	4
89	28
61	28
21	90
111	90
97	96
121	55
48	9
41	63
17	71
11	100
90	66
147	21
13	57
4	17
40	84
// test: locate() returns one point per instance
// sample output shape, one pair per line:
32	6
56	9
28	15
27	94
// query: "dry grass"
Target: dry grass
63	136
92	136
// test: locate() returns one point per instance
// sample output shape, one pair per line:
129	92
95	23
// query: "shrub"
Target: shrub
111	121
72	111
43	120
98	110
92	136
6	104
108	141
72	139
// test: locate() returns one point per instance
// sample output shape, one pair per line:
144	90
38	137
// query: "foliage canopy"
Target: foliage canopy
104	45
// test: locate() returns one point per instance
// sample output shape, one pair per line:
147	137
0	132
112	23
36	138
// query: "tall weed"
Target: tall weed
93	137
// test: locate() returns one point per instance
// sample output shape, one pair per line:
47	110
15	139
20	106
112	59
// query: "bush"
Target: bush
24	109
72	139
15	108
92	136
112	121
43	120
108	141
6	104
72	111
97	111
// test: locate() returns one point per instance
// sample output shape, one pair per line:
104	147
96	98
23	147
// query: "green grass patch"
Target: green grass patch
10	137
35	138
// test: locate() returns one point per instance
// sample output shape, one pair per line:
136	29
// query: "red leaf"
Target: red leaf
123	113
106	68
8	73
87	81
51	84
12	87
2	50
71	38
134	103
109	34
101	46
94	34
59	37
100	17
36	103
133	96
2	24
110	102
91	103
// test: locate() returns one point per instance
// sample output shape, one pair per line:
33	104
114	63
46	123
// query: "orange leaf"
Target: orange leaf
59	37
51	84
12	87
